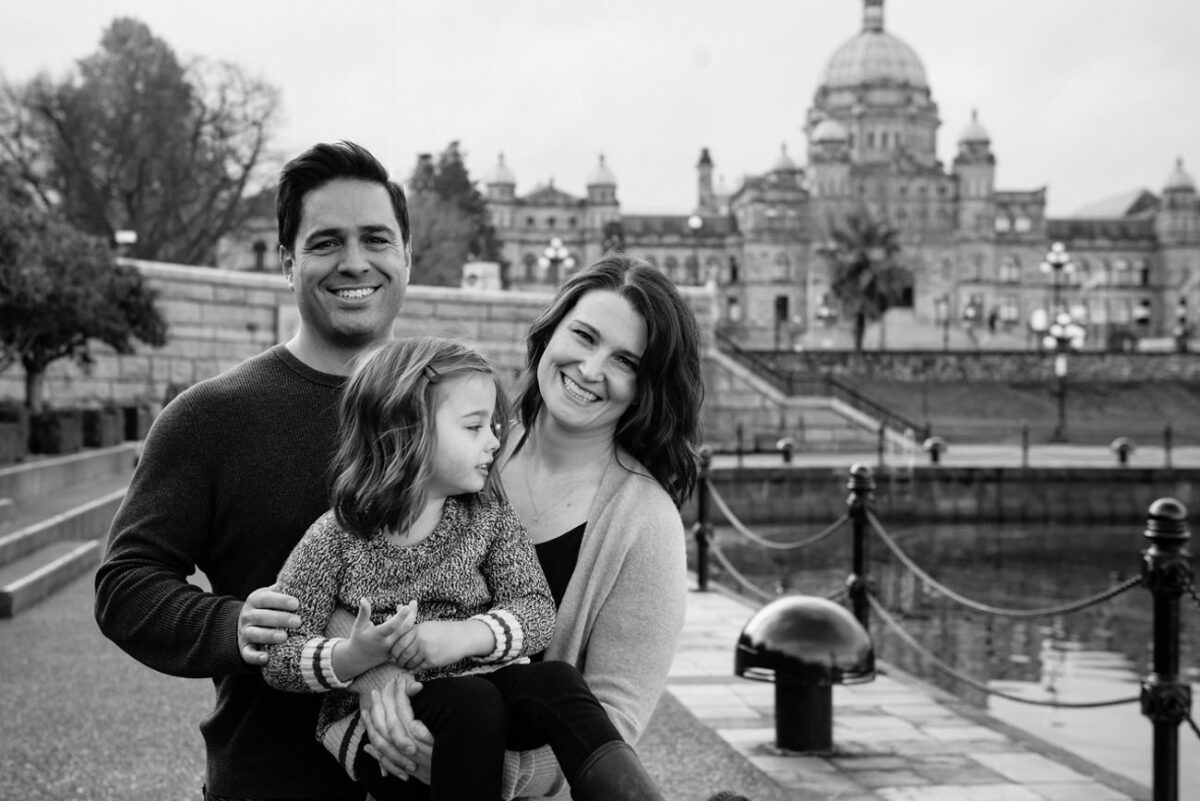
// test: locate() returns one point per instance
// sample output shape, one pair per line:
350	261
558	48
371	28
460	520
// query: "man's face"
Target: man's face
348	266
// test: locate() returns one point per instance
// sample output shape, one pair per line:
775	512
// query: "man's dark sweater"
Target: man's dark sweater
231	475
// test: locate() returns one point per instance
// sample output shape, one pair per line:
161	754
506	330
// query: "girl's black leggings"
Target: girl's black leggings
473	720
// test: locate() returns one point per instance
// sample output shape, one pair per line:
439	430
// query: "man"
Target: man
234	471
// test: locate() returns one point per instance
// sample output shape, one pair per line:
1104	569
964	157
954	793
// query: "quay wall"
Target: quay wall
941	367
808	495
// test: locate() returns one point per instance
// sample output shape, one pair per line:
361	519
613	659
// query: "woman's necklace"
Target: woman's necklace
565	494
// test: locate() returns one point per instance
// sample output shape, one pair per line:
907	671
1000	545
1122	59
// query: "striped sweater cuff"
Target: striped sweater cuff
510	637
316	665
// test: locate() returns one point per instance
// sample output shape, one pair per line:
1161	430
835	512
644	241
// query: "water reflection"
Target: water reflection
1007	566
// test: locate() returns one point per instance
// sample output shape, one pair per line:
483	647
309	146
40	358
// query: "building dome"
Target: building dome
501	174
829	130
784	163
1179	179
873	56
974	132
602	175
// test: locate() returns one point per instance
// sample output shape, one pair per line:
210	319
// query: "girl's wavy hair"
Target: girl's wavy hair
388	433
662	427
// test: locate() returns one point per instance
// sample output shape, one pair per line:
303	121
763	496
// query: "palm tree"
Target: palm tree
868	278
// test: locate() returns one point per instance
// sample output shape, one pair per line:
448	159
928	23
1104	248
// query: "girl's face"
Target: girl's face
589	371
465	439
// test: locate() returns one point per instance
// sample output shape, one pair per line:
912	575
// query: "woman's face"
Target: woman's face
589	371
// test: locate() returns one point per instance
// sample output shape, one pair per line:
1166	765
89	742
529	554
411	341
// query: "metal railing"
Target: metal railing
1165	571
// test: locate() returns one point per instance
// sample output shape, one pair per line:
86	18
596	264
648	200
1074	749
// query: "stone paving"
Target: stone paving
895	738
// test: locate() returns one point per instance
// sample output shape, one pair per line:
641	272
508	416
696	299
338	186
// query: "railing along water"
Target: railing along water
1166	572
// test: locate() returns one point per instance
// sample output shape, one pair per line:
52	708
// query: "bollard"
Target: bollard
861	485
786	446
1166	701
805	645
1168	436
934	446
1122	447
703	528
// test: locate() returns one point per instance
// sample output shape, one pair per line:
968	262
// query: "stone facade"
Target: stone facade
974	250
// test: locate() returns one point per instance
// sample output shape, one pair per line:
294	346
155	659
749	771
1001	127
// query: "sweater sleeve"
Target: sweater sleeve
144	602
522	614
312	573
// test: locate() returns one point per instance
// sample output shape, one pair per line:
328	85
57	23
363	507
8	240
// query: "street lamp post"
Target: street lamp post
1183	326
1057	263
555	255
695	223
1060	331
941	315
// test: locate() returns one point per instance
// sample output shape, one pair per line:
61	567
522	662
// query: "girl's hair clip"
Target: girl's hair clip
431	375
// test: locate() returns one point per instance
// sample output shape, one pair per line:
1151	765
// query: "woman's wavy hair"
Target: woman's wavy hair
388	433
662	427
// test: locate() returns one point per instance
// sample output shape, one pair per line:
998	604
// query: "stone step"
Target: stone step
88	520
32	578
41	478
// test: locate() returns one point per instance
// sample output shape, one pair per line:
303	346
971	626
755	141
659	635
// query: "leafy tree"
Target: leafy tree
135	139
868	278
61	290
450	220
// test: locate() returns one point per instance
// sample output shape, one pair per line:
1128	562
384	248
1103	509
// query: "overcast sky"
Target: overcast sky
1090	98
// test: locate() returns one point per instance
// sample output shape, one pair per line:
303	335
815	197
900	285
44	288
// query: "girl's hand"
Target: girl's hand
370	645
265	617
437	643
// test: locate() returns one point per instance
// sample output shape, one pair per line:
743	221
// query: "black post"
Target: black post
1167	701
1168	435
882	445
861	485
703	527
1025	446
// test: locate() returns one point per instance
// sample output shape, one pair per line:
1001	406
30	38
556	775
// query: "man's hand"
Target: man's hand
265	617
400	743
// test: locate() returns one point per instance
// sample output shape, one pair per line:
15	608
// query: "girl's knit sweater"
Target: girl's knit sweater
478	563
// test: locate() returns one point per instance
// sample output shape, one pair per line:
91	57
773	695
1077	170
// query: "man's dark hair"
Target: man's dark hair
321	164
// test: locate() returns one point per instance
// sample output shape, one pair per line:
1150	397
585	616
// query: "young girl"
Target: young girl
418	526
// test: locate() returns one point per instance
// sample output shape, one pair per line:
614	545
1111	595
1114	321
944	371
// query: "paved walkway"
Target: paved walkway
895	738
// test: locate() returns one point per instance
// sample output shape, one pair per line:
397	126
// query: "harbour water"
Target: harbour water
1095	654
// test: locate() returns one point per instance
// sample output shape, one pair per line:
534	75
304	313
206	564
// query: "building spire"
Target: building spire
873	15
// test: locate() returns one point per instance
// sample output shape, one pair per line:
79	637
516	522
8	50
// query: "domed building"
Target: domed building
974	251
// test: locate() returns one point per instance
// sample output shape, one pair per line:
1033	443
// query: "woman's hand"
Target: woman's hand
401	744
265	617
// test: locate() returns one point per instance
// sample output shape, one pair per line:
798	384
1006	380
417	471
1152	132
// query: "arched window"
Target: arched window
670	267
1010	270
734	272
260	254
530	262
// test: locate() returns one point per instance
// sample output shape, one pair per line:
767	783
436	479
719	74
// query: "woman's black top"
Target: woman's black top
558	558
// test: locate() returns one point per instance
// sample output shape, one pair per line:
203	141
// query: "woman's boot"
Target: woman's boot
614	773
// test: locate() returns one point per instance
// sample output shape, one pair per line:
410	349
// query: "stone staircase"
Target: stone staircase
54	518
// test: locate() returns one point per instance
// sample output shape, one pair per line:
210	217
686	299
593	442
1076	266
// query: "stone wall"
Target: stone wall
817	496
218	318
985	366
